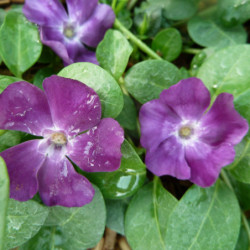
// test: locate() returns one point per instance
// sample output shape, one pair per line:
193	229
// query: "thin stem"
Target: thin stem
243	216
134	39
113	5
120	6
131	4
191	51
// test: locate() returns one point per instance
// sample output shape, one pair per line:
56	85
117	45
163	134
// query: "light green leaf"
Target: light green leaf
146	80
4	199
206	218
125	181
147	216
113	53
5	81
102	82
20	46
24	219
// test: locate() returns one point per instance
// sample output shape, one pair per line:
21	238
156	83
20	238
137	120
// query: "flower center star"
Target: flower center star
59	139
69	31
185	132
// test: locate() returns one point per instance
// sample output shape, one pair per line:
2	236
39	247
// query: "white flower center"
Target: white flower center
58	139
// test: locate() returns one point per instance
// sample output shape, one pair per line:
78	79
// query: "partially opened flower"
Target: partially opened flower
185	141
68	117
67	33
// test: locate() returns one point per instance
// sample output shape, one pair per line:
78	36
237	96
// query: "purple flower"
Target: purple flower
68	117
67	33
184	140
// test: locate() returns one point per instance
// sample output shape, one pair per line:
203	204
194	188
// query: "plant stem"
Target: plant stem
191	51
120	6
243	216
131	4
118	25
113	4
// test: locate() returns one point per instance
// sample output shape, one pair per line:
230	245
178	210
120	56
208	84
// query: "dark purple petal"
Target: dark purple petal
189	98
93	30
168	159
80	10
98	150
206	161
74	106
24	107
23	162
158	122
59	184
45	12
222	123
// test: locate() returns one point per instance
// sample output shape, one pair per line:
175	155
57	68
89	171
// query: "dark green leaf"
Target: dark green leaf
242	243
126	180
206	218
41	75
9	139
113	53
102	82
147	216
168	43
146	80
124	17
5	81
20	46
4	199
24	219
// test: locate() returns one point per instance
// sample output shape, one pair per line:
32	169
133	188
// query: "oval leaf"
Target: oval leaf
5	81
102	82
146	80
20	46
147	216
113	53
204	214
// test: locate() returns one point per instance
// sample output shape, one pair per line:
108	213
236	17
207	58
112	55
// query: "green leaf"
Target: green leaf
41	75
20	46
81	227
5	81
206	218
116	214
208	32
147	216
168	43
242	243
146	80
227	70
4	199
24	219
125	181
9	139
127	118
102	82
113	53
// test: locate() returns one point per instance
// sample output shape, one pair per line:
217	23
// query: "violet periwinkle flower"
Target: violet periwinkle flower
67	33
185	140
68	117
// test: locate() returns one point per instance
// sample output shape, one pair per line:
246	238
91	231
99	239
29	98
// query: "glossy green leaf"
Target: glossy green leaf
2	15
102	82
113	53
125	181
24	219
147	217
20	46
243	243
206	218
4	199
5	81
146	80
81	227
168	43
115	214
9	139
41	75
127	118
227	70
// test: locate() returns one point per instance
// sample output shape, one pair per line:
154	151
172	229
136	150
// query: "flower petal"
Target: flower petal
80	10
74	106
223	123
168	159
93	30
158	122
206	161
99	150
59	184
24	107
23	162
45	12
189	98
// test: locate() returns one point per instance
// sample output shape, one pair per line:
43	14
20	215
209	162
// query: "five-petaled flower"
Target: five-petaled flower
68	117
184	140
67	33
